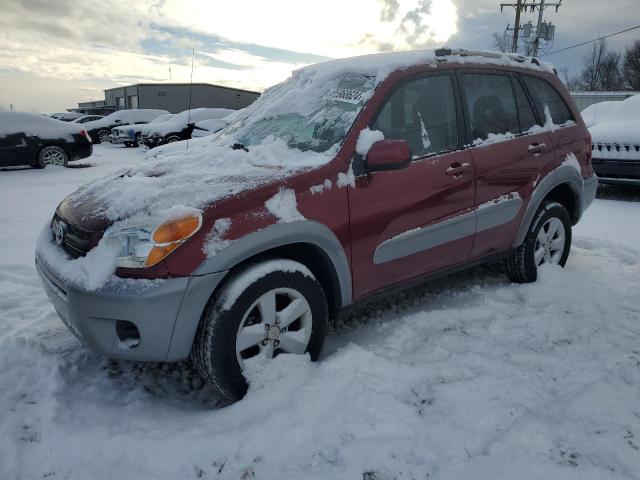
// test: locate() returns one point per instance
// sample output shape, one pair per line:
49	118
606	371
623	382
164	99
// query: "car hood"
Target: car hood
197	177
617	132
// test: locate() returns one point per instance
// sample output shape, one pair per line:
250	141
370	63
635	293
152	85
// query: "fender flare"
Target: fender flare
564	174
279	235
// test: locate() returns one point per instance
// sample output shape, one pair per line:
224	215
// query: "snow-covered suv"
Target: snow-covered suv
352	177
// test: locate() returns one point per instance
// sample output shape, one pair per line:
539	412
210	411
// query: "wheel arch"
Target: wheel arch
564	185
307	242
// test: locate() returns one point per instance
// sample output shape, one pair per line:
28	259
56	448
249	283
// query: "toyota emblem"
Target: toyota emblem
58	231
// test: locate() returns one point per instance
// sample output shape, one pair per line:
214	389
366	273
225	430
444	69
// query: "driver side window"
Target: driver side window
422	112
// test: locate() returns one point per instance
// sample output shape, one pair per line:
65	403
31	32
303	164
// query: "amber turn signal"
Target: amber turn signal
170	235
176	230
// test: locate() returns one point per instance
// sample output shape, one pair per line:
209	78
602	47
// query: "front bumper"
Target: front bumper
624	172
590	187
166	313
153	142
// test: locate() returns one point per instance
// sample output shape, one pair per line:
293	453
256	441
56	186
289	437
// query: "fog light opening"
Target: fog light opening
128	334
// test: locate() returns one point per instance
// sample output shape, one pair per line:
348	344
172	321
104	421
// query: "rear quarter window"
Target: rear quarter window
544	95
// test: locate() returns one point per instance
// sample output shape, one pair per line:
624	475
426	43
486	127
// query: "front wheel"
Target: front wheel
172	139
270	308
548	241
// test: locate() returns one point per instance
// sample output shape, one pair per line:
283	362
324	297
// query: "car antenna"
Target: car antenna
193	54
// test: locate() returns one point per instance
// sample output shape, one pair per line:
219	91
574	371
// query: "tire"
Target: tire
232	328
551	226
52	155
136	143
103	136
172	139
128	144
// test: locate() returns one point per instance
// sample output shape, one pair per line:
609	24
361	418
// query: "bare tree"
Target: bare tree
631	66
601	69
572	82
500	42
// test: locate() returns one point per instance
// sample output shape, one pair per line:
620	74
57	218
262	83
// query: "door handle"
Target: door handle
456	169
536	147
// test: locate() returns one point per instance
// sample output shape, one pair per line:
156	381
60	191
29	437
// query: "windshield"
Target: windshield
307	115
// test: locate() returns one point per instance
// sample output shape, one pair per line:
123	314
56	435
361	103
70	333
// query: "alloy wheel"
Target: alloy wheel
550	242
279	321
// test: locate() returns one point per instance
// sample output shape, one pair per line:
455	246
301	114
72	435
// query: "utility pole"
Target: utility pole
516	28
523	5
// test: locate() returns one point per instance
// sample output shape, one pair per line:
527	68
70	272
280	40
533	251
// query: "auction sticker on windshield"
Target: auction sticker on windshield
345	95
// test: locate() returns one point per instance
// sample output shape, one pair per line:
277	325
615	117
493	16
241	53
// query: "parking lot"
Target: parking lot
466	377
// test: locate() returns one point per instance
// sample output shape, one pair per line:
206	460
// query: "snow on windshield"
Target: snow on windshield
306	114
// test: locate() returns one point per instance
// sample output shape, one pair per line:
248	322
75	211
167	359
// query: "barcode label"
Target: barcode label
345	95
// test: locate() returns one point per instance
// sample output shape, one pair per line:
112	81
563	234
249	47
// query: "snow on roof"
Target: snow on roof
382	64
36	125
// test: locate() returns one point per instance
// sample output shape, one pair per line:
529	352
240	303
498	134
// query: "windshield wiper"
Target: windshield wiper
239	146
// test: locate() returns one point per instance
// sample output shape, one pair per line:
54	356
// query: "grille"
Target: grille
612	147
76	241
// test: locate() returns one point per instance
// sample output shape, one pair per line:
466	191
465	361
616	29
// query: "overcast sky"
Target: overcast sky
57	53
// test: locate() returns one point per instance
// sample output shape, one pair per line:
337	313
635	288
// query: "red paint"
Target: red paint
383	204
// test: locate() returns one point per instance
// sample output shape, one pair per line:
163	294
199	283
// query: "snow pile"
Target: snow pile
247	277
595	113
284	207
89	273
498	200
215	239
326	185
366	139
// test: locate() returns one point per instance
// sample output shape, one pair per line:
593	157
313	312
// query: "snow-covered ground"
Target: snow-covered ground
468	377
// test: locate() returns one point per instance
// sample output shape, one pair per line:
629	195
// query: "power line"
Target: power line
600	17
591	41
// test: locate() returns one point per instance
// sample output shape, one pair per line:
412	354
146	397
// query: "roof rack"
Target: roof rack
445	52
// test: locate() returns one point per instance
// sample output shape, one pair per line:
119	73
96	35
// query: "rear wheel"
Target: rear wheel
548	241
172	139
52	155
270	308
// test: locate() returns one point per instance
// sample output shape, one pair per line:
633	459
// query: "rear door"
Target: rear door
509	154
567	136
405	223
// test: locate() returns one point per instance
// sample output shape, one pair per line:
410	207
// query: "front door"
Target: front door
405	223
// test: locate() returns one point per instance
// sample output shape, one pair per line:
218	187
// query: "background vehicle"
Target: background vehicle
180	126
205	128
335	186
596	112
66	116
87	118
101	129
130	135
27	139
616	144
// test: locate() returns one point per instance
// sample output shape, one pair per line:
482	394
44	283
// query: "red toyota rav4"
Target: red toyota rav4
351	178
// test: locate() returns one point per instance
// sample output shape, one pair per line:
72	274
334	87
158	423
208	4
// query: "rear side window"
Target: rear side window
422	112
544	95
490	103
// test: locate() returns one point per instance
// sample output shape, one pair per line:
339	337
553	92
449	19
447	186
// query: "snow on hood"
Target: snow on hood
36	125
196	177
596	112
621	125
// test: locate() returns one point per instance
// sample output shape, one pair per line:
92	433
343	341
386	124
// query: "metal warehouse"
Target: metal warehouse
174	97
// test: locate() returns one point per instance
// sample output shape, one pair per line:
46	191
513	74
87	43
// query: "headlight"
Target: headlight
144	245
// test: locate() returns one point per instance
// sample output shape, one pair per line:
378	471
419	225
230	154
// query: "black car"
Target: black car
27	139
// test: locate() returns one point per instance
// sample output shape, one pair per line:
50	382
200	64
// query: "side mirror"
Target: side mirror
388	155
